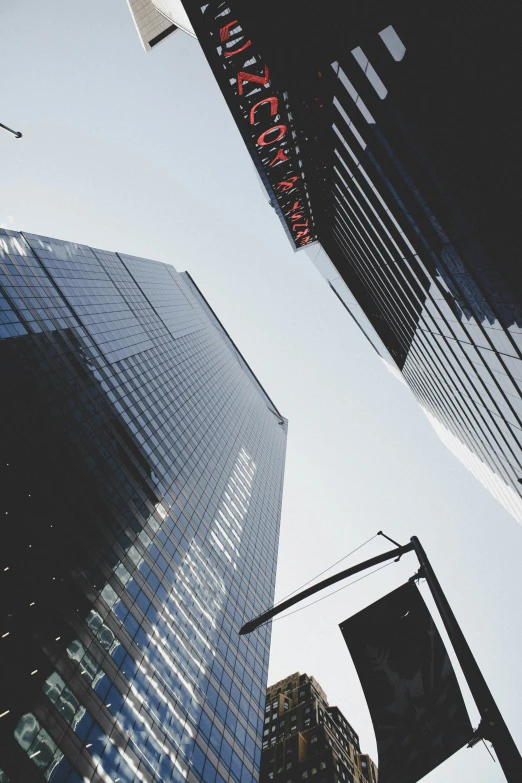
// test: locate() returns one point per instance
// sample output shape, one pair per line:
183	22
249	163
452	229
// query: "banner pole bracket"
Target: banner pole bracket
380	533
418	576
478	735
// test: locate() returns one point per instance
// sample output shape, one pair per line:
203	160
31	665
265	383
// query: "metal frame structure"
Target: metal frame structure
492	725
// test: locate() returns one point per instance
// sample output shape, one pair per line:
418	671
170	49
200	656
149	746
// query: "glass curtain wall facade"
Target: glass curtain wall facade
143	467
426	281
390	118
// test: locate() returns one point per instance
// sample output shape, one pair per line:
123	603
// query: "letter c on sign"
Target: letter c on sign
273	107
281	132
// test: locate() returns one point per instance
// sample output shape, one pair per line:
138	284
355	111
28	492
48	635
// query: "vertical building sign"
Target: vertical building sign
260	109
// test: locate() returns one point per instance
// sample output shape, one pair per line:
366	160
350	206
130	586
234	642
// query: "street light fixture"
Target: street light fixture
16	134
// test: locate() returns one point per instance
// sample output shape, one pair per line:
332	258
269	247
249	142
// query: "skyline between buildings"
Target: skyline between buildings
419	250
360	452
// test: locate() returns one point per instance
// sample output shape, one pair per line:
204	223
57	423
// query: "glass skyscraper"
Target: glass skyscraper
142	471
403	245
375	131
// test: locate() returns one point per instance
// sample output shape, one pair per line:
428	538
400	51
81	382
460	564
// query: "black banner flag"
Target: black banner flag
409	683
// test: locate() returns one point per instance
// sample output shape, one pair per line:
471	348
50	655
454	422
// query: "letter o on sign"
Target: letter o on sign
281	132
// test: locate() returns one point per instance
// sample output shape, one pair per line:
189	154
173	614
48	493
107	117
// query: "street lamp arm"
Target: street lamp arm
16	134
251	625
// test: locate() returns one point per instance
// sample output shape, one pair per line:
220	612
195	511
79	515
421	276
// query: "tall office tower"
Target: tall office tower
375	129
306	739
142	470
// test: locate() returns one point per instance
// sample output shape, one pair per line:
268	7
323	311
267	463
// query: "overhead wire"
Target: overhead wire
325	570
324	597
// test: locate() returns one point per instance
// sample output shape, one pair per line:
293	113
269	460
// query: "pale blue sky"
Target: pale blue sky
138	153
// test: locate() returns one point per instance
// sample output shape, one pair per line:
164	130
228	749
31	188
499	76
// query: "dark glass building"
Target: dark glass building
304	738
387	137
142	471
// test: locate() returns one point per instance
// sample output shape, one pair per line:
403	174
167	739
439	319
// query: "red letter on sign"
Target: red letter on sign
281	155
243	76
287	184
281	132
241	49
273	107
224	33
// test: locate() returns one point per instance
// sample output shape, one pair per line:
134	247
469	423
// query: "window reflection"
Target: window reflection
168	529
393	43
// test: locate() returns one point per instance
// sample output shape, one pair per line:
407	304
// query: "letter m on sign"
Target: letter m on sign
243	76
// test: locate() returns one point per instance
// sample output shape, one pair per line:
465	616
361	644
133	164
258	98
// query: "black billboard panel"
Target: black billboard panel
414	699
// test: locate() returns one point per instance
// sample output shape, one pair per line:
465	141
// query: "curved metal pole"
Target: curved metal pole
16	134
251	625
